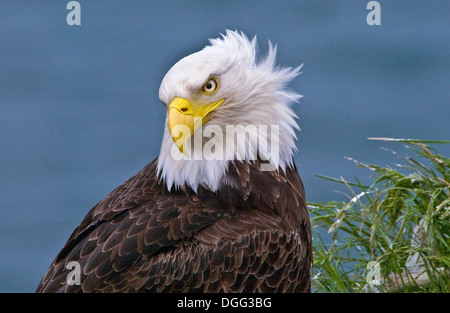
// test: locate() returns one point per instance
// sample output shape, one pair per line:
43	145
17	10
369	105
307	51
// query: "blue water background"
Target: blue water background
79	108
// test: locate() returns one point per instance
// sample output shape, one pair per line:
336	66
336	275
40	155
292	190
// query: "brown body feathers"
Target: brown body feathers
252	237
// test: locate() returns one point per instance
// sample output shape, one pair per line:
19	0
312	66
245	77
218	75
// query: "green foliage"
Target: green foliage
401	221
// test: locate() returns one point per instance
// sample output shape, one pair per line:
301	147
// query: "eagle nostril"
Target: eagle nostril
184	109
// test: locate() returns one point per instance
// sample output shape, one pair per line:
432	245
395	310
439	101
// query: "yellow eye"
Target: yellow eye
211	86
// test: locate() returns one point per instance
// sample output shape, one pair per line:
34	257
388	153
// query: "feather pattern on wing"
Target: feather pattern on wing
144	238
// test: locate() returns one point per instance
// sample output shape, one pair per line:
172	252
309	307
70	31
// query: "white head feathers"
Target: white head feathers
254	94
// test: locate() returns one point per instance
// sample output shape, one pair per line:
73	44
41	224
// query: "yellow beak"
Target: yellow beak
184	119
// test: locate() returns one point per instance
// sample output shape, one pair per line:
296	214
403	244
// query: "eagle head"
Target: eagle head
225	105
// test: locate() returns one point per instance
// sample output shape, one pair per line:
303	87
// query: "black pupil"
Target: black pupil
209	86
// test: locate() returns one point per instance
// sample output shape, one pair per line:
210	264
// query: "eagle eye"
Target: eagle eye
210	86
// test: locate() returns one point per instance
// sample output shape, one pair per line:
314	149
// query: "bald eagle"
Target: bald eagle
220	212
